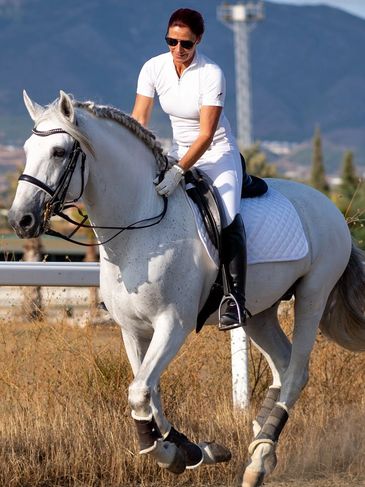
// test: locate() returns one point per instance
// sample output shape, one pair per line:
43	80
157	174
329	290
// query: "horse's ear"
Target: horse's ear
34	110
66	107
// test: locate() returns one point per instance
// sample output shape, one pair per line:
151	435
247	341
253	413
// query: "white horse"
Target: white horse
154	280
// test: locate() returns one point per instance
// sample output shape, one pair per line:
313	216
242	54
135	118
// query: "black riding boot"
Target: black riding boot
232	310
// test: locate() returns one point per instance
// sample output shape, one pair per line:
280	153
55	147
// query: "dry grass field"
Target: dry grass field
65	421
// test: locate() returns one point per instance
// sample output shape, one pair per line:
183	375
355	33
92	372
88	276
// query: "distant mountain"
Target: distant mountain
307	62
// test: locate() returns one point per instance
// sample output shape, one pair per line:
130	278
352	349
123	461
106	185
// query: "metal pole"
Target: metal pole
242	69
241	17
240	374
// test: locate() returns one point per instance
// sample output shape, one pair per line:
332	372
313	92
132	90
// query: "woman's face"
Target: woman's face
180	54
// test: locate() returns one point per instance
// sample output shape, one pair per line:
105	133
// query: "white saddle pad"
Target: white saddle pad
273	229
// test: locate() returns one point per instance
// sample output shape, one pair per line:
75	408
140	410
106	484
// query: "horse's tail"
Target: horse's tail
343	320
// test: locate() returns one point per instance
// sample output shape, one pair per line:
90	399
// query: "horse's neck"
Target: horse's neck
119	190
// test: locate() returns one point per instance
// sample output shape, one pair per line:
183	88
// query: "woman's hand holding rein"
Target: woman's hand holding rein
171	181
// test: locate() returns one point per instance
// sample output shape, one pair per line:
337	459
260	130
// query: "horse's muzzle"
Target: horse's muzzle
26	224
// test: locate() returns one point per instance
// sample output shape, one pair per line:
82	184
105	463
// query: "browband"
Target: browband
45	133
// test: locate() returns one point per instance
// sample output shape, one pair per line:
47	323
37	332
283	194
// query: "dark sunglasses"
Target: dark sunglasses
184	44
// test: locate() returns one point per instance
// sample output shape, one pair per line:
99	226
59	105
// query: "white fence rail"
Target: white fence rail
79	274
87	274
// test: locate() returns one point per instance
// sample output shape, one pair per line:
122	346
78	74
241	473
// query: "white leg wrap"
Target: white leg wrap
252	447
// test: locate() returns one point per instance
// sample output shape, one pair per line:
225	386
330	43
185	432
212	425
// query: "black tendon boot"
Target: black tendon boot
232	311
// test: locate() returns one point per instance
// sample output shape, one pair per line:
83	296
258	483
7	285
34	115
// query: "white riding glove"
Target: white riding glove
171	180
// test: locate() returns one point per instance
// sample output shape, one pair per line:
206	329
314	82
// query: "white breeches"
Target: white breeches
223	166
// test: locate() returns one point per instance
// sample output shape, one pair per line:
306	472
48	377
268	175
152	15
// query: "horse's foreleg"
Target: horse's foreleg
136	348
148	431
149	428
162	348
171	449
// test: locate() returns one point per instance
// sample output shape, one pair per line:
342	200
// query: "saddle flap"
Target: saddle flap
200	189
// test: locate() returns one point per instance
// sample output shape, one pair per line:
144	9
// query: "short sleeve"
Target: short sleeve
146	84
213	88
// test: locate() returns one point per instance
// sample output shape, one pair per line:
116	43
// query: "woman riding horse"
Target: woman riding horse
191	90
155	279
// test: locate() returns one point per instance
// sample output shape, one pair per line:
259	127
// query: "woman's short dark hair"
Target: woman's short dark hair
185	17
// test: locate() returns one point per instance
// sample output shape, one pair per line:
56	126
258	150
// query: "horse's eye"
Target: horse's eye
59	152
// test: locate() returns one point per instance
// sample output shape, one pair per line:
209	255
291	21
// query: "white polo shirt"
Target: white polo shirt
202	83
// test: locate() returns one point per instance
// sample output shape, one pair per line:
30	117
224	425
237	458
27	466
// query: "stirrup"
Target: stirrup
241	322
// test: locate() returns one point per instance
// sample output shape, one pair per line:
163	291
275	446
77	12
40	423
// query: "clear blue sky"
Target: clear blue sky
355	7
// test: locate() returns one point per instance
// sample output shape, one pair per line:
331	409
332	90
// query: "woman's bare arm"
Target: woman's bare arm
209	117
142	109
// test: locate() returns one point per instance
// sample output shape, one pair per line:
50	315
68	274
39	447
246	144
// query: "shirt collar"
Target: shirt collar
195	59
194	62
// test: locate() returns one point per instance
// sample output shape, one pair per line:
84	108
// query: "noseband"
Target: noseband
57	202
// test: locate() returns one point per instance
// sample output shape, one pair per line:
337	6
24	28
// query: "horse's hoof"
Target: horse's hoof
263	456
252	478
270	463
214	453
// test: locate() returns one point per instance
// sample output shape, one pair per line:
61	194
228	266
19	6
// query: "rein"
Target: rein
56	205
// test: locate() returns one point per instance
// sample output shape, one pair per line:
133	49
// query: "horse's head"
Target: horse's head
55	170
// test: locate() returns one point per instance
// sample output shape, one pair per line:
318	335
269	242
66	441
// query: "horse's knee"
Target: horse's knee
139	398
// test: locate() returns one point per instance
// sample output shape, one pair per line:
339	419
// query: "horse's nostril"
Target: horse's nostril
26	221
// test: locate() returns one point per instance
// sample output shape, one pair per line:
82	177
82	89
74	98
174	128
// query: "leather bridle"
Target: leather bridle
57	203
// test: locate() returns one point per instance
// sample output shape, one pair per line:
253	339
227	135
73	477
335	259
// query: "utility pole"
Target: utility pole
240	18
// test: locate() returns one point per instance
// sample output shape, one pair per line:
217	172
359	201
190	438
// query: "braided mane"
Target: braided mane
108	113
111	113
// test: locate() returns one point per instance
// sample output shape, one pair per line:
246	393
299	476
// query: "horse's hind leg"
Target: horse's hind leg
309	306
266	333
